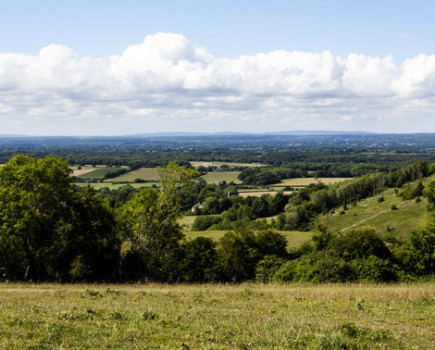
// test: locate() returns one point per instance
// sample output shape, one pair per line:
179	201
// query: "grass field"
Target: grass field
230	164
146	174
83	170
219	176
246	316
305	181
370	212
294	238
113	186
257	193
97	174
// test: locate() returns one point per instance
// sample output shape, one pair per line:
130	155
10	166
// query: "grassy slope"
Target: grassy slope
369	212
247	316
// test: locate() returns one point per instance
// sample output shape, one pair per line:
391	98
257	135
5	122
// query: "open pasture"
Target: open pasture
83	170
246	316
145	174
229	164
306	181
97	174
259	193
294	238
114	186
216	177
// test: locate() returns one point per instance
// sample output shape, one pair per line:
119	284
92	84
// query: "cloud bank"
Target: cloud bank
168	83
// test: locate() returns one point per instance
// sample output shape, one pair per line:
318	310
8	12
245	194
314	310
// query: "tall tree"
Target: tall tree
150	217
49	228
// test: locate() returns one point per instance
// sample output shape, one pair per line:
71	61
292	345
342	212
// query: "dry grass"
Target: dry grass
246	316
82	171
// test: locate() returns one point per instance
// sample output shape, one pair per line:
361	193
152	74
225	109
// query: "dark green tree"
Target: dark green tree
49	228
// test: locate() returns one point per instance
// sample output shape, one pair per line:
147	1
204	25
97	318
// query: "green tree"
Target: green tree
49	228
152	247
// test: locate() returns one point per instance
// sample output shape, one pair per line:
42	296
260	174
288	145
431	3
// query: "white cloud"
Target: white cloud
166	82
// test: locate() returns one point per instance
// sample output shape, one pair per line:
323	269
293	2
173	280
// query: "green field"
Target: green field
114	186
97	174
220	176
294	238
305	181
370	212
145	174
246	316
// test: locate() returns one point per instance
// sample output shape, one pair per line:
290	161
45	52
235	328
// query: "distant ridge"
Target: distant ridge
235	133
202	134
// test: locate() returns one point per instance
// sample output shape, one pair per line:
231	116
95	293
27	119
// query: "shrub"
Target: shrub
199	260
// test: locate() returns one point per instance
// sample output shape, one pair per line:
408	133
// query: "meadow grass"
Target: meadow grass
245	316
220	176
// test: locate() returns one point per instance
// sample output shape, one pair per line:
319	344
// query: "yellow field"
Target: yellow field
84	170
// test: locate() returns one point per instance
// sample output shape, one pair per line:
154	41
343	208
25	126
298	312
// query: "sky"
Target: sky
129	67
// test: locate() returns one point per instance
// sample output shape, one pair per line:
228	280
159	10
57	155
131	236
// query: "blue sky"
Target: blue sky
120	67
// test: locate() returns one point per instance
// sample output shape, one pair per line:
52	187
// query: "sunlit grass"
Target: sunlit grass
246	316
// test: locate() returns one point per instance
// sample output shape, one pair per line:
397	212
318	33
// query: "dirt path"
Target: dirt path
364	220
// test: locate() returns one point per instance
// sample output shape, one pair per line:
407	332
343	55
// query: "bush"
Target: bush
267	268
202	223
374	269
199	260
240	250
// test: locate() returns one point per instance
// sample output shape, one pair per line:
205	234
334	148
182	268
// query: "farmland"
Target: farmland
253	316
229	164
97	174
114	186
220	176
305	181
144	174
